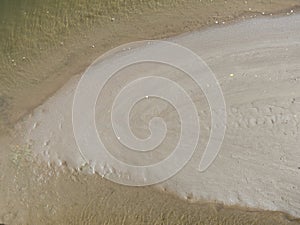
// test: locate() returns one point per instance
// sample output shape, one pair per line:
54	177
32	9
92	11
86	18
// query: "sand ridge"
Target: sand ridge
258	163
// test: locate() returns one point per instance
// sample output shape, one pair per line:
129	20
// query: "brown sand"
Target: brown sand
33	193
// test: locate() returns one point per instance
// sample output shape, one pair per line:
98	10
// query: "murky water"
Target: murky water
36	37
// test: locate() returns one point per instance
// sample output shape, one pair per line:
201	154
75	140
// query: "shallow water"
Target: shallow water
44	43
35	37
31	28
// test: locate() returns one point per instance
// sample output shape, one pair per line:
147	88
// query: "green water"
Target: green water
29	28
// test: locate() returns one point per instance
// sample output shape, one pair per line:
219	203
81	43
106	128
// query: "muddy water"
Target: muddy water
42	45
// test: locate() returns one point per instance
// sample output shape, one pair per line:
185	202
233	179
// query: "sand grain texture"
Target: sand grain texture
258	163
266	76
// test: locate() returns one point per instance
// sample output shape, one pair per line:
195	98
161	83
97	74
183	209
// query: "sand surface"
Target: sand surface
35	192
256	63
44	47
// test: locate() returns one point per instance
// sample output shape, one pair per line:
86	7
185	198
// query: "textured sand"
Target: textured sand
258	163
33	193
59	44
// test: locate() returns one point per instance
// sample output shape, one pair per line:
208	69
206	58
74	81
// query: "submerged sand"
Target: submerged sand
41	194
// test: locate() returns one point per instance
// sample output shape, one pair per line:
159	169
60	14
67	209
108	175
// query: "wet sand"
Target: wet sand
56	51
61	196
41	194
256	111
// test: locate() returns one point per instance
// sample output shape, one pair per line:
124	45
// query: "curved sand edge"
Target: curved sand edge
258	164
